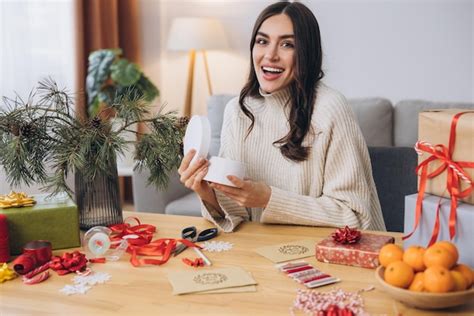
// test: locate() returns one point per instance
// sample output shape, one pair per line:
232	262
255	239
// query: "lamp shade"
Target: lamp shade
196	33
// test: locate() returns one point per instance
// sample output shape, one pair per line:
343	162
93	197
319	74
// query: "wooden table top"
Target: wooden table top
146	290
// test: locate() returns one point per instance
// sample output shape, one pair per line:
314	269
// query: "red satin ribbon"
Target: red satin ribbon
455	174
35	254
143	231
143	245
68	262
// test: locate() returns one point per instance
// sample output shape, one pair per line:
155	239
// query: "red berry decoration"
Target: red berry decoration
346	235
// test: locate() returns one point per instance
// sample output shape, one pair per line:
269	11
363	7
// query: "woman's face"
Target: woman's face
273	53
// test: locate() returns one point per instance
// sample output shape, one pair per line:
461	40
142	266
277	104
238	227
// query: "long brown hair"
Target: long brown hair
308	62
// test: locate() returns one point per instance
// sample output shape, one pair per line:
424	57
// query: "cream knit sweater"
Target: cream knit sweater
334	187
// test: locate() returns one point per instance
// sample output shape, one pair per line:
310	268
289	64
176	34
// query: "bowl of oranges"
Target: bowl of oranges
427	278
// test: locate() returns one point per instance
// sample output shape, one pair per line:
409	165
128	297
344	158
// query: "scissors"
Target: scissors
190	233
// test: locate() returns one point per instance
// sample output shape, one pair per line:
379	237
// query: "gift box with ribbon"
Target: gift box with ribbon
446	165
437	210
446	153
347	247
52	219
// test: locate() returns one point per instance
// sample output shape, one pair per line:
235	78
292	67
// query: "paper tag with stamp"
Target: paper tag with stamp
288	251
212	279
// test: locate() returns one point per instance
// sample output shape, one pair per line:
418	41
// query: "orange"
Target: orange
413	256
438	279
390	253
450	247
466	272
460	283
417	284
439	256
399	274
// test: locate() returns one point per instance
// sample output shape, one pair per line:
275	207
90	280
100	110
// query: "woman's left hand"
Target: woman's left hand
246	193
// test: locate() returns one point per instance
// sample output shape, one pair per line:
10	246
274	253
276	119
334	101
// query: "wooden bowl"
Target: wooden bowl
424	300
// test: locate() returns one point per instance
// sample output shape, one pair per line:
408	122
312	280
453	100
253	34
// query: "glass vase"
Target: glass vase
98	201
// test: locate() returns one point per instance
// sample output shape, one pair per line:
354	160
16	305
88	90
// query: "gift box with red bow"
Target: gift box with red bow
350	247
446	153
55	220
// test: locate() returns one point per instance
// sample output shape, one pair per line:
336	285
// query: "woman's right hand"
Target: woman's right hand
192	175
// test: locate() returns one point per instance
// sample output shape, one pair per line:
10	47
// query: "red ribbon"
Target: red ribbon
68	262
144	232
455	174
142	244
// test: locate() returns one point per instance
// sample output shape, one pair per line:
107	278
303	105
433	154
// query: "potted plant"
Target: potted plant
36	136
110	76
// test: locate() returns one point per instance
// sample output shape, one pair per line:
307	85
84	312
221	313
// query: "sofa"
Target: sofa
389	130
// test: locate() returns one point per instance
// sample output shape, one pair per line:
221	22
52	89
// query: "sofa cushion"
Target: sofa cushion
188	205
375	117
393	169
406	118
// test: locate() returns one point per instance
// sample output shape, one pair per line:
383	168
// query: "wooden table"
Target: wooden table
146	290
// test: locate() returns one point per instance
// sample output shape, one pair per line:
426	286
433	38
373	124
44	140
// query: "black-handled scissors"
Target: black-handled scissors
190	233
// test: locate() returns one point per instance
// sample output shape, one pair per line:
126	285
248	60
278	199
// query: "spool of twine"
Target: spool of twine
4	246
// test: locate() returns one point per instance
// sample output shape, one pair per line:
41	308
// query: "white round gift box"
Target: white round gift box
198	137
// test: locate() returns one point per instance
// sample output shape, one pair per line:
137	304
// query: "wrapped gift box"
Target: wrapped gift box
364	253
54	220
421	237
434	128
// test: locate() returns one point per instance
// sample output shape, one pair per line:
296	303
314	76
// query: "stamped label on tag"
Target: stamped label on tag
288	251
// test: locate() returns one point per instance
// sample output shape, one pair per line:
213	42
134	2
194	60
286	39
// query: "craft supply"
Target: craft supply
209	279
41	249
97	244
35	254
217	246
306	274
39	269
24	263
191	234
82	283
4	240
14	199
288	251
203	257
6	273
36	279
69	262
198	262
335	302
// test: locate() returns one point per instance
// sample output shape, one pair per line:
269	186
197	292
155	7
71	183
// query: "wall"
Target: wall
395	49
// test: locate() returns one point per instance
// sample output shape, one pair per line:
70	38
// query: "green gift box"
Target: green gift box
55	220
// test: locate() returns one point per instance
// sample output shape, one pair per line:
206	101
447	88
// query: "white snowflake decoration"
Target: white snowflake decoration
83	283
217	246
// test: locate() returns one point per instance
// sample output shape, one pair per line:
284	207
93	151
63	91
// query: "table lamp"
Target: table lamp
192	34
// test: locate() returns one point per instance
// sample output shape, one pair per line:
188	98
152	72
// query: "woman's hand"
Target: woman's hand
192	176
247	193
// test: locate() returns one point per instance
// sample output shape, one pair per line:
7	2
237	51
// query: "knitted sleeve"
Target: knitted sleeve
234	214
349	196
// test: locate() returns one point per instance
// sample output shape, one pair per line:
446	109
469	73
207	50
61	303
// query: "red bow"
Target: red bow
68	262
455	174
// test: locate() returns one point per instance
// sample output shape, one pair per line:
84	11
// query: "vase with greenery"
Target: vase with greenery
43	141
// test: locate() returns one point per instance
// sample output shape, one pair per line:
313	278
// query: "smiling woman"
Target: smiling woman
306	159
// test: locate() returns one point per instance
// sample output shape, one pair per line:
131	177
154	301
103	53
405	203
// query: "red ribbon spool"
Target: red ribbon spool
35	254
4	243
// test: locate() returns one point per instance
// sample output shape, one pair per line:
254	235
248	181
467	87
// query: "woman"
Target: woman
306	159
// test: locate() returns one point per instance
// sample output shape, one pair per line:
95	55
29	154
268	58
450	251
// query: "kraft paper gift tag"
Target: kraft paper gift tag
238	289
205	280
288	251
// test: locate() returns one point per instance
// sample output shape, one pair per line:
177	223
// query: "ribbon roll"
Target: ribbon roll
4	241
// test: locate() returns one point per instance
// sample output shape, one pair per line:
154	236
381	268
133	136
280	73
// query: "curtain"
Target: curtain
105	24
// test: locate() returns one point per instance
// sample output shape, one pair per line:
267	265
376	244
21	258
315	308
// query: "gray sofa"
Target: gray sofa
390	132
